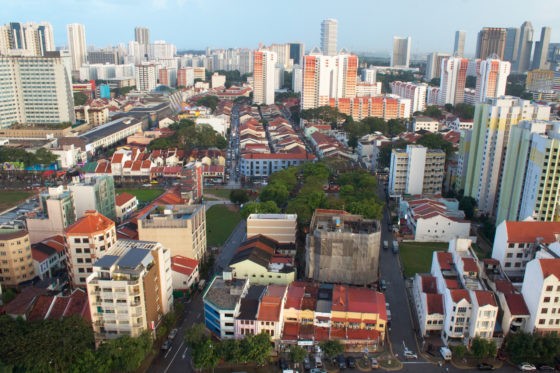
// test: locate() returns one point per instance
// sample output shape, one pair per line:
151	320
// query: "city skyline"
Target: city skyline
358	31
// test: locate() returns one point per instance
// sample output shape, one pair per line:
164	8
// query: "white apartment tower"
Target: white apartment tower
329	32
34	90
401	51
413	91
459	45
453	80
77	44
264	73
146	77
491	78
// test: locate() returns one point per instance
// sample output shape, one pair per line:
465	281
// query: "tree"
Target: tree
396	126
196	335
297	354
205	355
259	348
435	82
464	111
210	102
238	196
468	205
448	107
459	351
268	207
470	82
80	98
436	141
275	192
230	350
434	112
332	347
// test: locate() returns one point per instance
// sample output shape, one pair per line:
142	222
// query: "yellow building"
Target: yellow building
16	262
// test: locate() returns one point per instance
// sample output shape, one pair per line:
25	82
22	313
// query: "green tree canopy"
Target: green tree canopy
434	112
268	207
189	135
297	354
238	196
210	102
436	141
80	98
332	347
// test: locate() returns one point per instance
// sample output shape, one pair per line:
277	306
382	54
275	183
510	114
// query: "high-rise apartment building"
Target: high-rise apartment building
282	55
512	43
329	35
130	289
459	45
142	35
185	77
524	48
491	78
433	65
180	228
416	170
297	51
491	40
34	90
264	72
95	193
16	265
34	38
541	49
77	44
416	92
453	80
529	186
146	77
401	51
485	151
342	248
326	77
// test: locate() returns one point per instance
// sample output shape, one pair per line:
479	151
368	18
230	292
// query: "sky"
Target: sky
363	25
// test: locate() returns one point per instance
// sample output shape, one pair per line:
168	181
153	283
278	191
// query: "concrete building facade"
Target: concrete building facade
280	227
16	261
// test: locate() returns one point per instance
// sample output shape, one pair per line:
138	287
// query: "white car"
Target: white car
410	355
526	367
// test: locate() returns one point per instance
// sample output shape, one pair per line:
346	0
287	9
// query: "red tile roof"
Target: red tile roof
117	158
445	260
22	303
269	308
429	284
516	304
458	294
434	304
485	298
469	265
528	231
550	267
451	283
122	198
41	308
294	297
91	222
291	331
504	286
305	155
182	264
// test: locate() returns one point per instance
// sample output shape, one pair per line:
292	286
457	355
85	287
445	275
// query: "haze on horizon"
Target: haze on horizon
363	25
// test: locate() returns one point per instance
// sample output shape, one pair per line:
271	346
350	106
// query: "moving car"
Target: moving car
485	366
545	368
306	363
166	345
172	334
341	361
351	361
410	355
374	363
527	367
382	285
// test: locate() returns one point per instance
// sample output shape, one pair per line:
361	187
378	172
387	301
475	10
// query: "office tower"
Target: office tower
35	90
369	76
485	150
337	252
297	51
16	265
491	78
17	35
541	49
512	43
329	34
36	38
130	290
103	56
453	79
459	45
142	35
529	186
491	40
77	44
264	68
416	170
433	65
88	239
524	48
401	51
413	91
146	77
326	77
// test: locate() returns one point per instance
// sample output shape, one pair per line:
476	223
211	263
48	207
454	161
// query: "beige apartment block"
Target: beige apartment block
16	263
280	227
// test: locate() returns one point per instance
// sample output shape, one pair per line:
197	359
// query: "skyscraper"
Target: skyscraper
524	48
485	152
453	80
401	51
37	38
77	44
142	35
491	40
146	77
329	31
37	90
433	65
297	51
459	46
541	49
264	69
512	43
491	78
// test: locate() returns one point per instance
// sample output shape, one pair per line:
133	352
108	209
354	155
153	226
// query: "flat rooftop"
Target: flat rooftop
273	216
224	294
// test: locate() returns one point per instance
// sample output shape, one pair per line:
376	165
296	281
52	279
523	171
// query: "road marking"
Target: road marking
174	356
184	353
168	351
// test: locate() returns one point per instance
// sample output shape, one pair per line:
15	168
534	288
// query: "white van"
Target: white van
445	353
318	362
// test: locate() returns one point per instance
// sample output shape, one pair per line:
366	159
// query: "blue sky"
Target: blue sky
364	25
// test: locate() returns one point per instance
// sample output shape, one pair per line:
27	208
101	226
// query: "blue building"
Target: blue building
104	91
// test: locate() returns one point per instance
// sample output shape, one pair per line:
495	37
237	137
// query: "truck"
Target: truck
395	246
201	284
385	245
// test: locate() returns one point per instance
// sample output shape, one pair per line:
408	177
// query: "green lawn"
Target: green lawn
223	193
416	257
144	195
220	222
12	198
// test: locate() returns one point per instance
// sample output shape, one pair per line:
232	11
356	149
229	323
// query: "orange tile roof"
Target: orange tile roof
294	297
269	308
528	231
485	298
182	264
429	284
516	304
458	294
92	222
291	331
469	265
434	304
504	286
445	260
123	198
550	267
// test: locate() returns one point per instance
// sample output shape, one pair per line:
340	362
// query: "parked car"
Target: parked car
382	285
527	367
351	362
485	366
283	364
166	345
410	355
172	334
306	363
374	363
341	361
545	368
317	370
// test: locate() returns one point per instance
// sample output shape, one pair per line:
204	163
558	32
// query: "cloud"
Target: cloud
159	4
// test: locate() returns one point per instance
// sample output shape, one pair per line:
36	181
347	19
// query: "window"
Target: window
77	240
549	288
546	299
544	310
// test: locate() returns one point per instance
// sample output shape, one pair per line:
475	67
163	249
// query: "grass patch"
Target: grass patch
220	222
144	195
222	193
10	199
416	257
